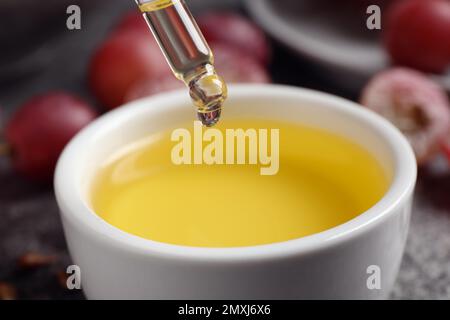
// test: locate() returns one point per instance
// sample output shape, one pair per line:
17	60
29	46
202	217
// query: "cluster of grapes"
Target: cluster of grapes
128	65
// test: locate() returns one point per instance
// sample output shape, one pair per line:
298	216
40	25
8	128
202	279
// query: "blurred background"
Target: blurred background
319	44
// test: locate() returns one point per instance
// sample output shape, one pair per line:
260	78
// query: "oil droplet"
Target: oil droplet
208	92
210	119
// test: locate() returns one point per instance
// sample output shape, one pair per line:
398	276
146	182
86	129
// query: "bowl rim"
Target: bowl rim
75	209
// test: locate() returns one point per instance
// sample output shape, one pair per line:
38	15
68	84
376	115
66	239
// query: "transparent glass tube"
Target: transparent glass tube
188	54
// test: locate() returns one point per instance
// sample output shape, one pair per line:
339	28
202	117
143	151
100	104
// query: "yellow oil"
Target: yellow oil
152	5
323	180
188	55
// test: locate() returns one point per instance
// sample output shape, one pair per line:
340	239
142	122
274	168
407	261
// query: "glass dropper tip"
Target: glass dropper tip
208	92
211	118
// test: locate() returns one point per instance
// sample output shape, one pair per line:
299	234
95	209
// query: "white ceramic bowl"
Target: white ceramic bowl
330	264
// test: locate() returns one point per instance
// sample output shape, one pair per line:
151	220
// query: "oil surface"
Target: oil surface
324	180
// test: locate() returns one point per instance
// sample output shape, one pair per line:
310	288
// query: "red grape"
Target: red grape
446	148
231	64
124	59
238	31
132	21
236	66
40	129
417	34
153	86
415	104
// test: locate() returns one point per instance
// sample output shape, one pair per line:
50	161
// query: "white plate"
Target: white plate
341	44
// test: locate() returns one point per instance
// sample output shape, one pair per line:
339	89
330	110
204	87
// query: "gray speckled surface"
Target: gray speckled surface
28	213
425	271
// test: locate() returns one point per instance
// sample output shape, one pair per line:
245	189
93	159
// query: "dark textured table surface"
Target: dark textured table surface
29	219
